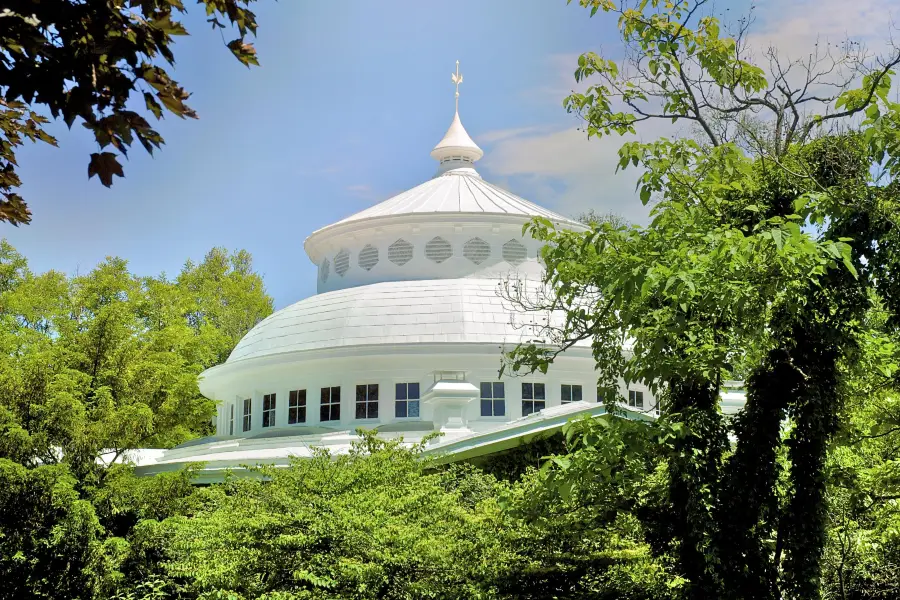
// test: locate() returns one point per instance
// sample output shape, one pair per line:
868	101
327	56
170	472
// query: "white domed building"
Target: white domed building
405	335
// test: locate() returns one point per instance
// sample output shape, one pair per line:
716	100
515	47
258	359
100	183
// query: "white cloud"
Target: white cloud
560	168
794	28
566	172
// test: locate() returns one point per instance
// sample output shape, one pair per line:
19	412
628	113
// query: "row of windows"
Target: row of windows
406	402
437	250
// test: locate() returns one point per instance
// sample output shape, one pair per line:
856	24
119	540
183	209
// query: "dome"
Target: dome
405	335
390	313
454	194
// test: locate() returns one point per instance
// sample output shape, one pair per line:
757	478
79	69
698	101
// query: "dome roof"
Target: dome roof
393	312
456	189
456	141
455	192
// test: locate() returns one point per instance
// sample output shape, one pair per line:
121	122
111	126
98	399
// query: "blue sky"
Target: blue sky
348	102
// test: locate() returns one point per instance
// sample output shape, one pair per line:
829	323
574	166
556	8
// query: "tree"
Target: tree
91	367
769	238
94	62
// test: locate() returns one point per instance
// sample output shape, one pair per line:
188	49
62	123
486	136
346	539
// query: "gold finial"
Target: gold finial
457	79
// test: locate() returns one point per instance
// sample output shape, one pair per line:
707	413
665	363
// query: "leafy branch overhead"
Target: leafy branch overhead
90	61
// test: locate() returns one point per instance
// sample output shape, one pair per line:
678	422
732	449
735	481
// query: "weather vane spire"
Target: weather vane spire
457	79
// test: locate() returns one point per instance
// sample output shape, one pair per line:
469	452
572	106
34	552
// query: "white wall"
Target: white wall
388	368
420	267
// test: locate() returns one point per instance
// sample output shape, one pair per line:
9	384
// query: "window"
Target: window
247	414
231	419
297	407
368	257
477	250
534	398
438	250
407	400
367	401
342	262
635	399
514	252
268	410
493	399
400	252
570	393
330	409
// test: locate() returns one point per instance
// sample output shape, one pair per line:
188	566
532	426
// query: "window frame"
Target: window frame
633	397
231	418
531	404
268	410
571	386
368	404
332	405
493	400
406	401
296	407
247	416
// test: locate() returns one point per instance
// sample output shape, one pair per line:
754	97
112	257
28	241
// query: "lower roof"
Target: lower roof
393	312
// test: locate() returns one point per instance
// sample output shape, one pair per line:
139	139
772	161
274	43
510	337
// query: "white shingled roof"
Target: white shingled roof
456	193
392	312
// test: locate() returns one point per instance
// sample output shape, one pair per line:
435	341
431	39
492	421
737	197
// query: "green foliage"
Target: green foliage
93	366
91	61
380	522
767	247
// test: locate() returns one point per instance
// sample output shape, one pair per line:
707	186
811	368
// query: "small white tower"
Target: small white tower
457	151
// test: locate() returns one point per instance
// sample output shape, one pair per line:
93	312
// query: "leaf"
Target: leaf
152	105
104	165
244	52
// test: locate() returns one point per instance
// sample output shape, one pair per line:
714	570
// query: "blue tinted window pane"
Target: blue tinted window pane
373	391
527	408
360	410
413	393
400	409
400	392
486	408
527	391
539	406
499	407
499	391
372	412
485	390
539	392
576	392
414	408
